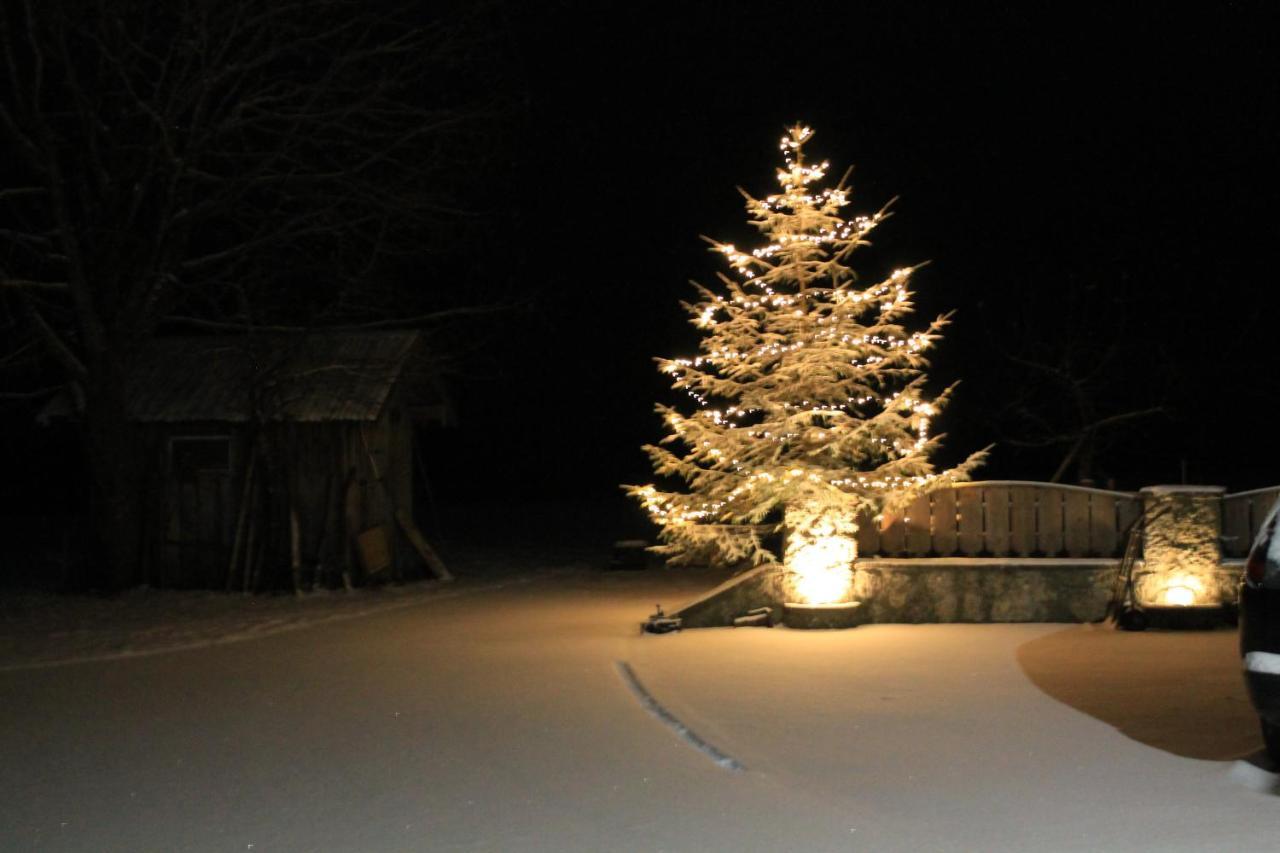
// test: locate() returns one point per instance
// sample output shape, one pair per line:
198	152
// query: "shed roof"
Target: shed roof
329	376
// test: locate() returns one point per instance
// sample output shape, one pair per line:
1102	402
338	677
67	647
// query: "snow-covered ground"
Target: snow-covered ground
39	629
498	720
42	628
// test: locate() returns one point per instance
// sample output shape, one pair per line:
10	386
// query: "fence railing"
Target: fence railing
1006	519
1242	515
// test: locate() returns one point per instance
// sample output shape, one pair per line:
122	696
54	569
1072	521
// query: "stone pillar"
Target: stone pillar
1181	546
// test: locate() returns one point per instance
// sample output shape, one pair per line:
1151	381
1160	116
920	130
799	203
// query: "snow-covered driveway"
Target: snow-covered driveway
498	721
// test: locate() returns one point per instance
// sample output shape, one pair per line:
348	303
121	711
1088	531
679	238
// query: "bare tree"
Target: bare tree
1075	383
221	162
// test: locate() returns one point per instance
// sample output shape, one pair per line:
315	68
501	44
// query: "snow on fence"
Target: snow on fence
1006	518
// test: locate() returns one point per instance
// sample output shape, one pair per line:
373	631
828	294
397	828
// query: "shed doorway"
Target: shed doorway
201	513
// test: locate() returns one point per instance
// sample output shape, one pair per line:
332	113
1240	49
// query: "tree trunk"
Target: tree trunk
112	450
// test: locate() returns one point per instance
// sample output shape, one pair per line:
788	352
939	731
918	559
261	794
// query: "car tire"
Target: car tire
1271	737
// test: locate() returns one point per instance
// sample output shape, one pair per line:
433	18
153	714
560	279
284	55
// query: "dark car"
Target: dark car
1260	630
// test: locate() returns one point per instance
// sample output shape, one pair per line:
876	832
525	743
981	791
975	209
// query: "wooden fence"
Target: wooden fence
1006	519
1025	519
1242	515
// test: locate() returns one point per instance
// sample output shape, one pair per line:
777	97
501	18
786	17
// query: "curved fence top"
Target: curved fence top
1253	492
1041	484
1035	484
998	518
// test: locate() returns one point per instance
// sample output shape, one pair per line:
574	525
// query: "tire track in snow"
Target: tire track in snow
653	706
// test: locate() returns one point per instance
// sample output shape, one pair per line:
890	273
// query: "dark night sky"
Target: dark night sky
1036	155
1033	153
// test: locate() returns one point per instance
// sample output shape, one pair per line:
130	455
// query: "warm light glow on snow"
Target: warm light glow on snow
822	570
1182	592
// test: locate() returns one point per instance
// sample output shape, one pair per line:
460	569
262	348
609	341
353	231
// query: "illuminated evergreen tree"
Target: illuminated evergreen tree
809	392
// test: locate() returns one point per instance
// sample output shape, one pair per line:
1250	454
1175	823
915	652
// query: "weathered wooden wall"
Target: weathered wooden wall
336	478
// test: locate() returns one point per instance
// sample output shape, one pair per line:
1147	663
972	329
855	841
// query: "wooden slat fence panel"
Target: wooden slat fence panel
919	541
969	513
1235	526
868	535
1242	515
943	523
1022	520
893	536
1037	520
1009	518
1128	511
995	503
1075	513
1049	522
1102	525
1261	505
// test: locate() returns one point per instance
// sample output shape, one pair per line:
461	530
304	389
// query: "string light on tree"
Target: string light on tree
811	396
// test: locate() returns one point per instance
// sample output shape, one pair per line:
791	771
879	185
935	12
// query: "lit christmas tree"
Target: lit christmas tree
809	394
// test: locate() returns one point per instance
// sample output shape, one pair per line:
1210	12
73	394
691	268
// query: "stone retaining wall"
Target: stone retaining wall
1181	564
951	590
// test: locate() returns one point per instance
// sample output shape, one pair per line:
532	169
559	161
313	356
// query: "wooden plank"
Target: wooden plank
893	536
1022	520
190	532
919	542
425	551
226	501
215	486
868	535
969	512
242	514
374	547
1104	539
1236	528
1049	521
1128	511
1260	505
995	509
942	523
1075	526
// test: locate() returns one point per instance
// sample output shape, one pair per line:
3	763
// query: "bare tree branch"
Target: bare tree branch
74	366
397	323
33	285
1072	390
1074	436
31	395
241	164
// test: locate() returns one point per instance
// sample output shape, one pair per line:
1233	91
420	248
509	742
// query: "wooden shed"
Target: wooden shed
283	460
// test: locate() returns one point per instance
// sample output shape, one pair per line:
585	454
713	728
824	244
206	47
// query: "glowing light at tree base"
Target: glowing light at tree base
822	570
1182	591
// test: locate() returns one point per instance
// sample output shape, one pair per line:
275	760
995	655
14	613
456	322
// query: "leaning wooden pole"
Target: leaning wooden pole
425	551
295	546
250	548
411	531
237	544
